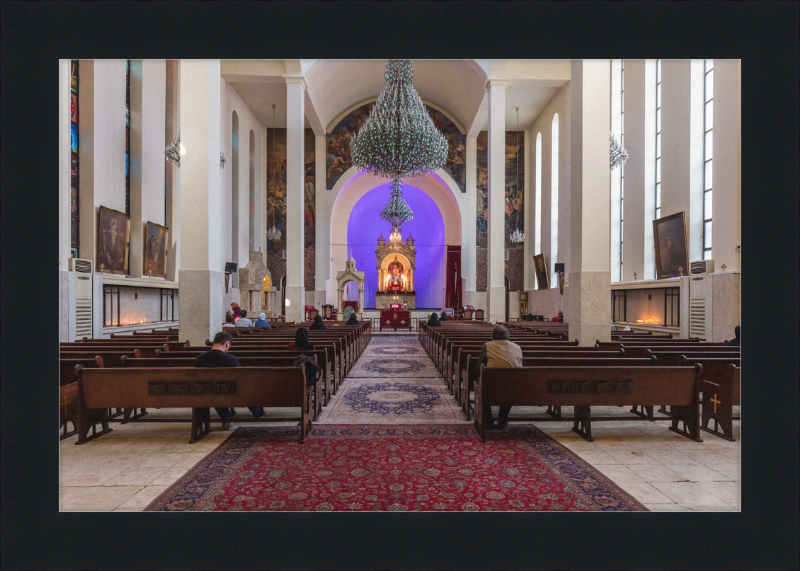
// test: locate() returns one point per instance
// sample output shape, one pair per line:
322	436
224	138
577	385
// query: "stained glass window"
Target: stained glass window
74	210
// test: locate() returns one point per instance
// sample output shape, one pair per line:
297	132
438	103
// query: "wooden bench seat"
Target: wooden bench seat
194	388
720	385
584	387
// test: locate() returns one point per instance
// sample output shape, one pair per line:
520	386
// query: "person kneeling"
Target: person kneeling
502	354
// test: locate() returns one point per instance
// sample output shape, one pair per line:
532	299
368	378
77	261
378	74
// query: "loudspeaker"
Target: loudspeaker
230	267
559	268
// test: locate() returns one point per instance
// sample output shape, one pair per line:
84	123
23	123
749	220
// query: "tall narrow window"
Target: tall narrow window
74	186
622	166
708	152
554	200
128	137
537	244
658	138
235	187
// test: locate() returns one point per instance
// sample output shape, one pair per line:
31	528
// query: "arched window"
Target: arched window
252	206
708	146
235	188
554	200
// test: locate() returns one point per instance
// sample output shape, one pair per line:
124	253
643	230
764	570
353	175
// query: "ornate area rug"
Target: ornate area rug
395	350
392	400
392	339
393	468
394	366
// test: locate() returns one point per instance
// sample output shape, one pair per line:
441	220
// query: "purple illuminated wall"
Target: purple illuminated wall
427	228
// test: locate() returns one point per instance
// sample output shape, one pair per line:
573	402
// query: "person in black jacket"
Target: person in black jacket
301	340
443	317
736	342
353	320
318	325
433	320
218	356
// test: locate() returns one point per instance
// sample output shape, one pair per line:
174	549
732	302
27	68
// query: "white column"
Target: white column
495	287
682	147
726	210
201	274
639	202
468	221
64	195
295	180
322	251
589	313
172	174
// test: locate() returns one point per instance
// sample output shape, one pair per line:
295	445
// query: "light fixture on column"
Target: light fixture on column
617	155
398	139
174	151
272	233
517	237
222	161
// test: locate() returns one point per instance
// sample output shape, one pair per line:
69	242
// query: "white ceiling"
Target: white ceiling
457	87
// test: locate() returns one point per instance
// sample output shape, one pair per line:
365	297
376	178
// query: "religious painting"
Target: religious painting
672	255
113	241
514	214
156	238
309	186
338	158
540	266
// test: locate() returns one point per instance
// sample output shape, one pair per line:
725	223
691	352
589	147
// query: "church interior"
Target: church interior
592	207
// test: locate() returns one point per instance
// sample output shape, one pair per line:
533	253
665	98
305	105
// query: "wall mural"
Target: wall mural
338	158
276	203
515	187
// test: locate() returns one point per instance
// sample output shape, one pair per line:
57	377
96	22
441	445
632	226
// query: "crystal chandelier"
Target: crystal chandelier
174	150
618	155
517	237
273	233
398	139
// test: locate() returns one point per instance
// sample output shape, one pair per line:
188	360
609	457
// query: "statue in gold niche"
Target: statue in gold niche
395	277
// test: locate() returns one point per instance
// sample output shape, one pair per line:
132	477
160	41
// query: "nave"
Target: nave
392	393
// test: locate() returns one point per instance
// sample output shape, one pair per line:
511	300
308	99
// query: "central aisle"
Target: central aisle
394	382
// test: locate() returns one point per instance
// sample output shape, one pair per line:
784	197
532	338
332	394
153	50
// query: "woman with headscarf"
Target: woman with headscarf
433	320
301	340
443	317
348	311
318	325
237	311
353	319
262	322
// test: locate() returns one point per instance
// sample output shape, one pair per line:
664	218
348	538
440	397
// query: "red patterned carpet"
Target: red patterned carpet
393	468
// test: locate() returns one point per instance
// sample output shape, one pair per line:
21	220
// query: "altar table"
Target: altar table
395	319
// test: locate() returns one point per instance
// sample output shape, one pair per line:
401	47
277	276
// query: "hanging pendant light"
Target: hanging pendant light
273	233
517	237
617	155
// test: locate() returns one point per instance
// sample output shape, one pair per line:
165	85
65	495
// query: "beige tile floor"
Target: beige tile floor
126	469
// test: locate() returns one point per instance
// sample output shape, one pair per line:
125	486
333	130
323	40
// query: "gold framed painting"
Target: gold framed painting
156	238
671	245
540	265
113	241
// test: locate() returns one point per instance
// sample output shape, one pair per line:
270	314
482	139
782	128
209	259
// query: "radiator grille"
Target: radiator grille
697	318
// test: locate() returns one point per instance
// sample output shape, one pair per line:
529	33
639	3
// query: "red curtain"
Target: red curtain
453	273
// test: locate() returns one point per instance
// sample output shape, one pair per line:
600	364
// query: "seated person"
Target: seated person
300	342
348	311
261	322
735	342
318	325
443	317
237	311
499	353
218	356
433	320
244	322
353	319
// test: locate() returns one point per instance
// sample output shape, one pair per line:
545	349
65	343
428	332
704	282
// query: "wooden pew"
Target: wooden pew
195	388
641	352
584	387
337	345
720	384
68	392
185	362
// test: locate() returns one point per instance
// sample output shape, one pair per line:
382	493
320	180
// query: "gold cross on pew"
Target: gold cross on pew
716	402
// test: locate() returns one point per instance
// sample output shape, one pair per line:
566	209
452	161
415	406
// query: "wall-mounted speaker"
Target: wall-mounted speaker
230	267
559	268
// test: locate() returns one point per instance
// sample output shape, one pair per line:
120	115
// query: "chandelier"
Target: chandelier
398	139
618	155
273	233
517	237
174	150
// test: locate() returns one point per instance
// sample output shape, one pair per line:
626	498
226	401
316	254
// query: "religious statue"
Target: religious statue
395	279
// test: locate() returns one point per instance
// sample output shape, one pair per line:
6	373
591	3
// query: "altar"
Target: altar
395	264
395	319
